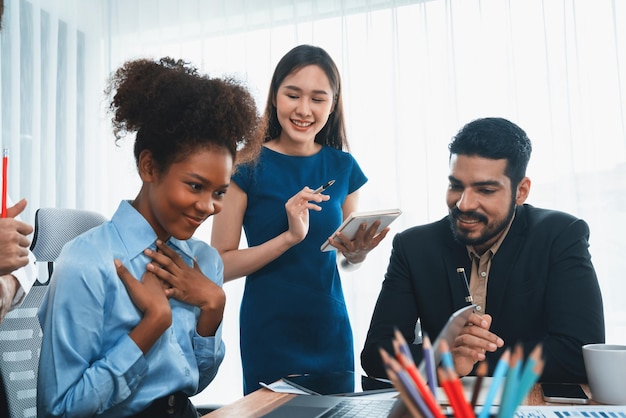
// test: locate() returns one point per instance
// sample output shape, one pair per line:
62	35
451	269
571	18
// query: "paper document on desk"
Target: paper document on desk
587	411
280	386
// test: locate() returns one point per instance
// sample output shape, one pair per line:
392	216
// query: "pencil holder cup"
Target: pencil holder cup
606	370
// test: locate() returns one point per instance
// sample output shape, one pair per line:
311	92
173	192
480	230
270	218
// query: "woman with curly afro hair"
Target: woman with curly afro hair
132	320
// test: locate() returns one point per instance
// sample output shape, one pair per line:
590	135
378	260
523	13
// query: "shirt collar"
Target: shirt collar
137	234
496	245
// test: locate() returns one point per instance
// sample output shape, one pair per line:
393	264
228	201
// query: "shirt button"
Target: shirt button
483	274
478	308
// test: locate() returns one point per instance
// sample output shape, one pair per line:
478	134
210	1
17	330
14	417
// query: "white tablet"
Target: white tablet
450	331
350	226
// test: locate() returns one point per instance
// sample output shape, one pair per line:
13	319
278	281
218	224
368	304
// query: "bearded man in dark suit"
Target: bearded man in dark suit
531	272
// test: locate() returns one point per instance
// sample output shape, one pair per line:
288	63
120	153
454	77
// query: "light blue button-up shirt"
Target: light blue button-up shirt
89	366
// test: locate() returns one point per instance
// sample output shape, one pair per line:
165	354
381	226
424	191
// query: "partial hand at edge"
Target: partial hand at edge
8	288
14	242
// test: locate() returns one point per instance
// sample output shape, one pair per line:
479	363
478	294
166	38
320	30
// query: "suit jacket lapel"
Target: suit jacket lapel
456	257
501	265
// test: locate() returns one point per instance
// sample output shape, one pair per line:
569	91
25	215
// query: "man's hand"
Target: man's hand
8	288
474	340
14	242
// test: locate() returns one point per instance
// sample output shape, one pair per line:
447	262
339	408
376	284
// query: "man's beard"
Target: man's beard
487	234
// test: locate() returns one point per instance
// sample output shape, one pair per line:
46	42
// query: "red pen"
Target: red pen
5	165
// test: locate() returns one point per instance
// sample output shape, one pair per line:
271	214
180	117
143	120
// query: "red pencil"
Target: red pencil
446	384
5	165
410	403
468	411
453	387
409	366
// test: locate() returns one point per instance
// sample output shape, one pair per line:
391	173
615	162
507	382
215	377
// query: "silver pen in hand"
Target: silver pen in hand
461	272
324	187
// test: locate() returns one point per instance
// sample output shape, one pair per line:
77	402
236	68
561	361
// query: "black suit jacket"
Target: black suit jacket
542	288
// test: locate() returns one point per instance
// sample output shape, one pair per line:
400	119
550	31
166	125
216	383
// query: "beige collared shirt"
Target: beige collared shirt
480	270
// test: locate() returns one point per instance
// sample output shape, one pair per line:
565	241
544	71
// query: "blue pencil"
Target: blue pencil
509	392
403	345
446	355
498	376
532	370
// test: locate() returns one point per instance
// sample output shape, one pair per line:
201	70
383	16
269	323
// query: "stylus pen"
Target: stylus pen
5	165
324	187
461	272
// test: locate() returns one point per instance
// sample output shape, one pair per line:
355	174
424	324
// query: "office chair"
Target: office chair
20	332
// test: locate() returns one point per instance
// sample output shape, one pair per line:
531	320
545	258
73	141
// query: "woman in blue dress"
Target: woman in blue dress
293	316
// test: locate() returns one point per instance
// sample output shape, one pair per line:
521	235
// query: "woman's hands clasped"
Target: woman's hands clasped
168	276
149	297
188	285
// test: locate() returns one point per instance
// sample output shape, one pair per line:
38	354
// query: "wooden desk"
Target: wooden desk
264	400
254	405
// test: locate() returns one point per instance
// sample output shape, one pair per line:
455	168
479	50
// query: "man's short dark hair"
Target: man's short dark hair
495	138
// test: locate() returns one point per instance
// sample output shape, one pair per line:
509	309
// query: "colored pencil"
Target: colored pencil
447	388
453	382
446	355
453	388
403	345
405	379
5	173
531	373
481	372
509	392
407	362
468	411
402	382
429	361
498	376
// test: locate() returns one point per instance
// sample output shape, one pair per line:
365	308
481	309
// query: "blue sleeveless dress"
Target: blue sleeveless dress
293	316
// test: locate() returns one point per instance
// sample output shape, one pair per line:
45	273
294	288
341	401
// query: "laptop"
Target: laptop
332	395
328	406
343	383
333	406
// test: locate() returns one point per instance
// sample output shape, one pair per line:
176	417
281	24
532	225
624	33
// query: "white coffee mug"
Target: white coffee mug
606	370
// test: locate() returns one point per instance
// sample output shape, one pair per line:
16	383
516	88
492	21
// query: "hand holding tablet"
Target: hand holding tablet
350	226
